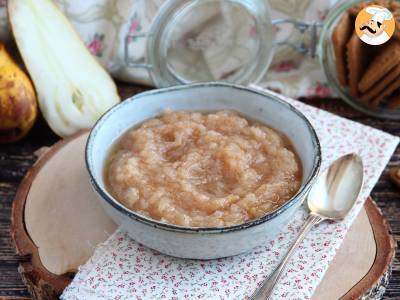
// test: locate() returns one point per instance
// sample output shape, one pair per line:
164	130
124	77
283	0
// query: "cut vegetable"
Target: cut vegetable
73	89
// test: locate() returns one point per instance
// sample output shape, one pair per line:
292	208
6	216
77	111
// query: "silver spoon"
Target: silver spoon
330	198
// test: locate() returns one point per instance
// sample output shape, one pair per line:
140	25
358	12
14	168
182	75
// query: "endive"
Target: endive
73	88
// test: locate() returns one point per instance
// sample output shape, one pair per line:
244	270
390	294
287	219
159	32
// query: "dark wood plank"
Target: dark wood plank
15	160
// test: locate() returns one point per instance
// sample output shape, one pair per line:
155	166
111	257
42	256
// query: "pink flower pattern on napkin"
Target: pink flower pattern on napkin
320	90
96	45
135	26
285	66
124	269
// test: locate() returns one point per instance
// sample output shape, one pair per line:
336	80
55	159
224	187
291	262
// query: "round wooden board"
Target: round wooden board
58	182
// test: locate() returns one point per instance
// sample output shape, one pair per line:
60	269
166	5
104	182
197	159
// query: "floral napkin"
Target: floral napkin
124	269
103	25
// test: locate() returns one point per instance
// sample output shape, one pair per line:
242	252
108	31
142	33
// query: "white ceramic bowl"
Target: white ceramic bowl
202	243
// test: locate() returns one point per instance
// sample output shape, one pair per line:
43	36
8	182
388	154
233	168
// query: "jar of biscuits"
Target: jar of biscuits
357	44
359	51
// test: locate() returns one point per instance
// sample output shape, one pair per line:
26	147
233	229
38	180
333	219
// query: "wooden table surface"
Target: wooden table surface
15	160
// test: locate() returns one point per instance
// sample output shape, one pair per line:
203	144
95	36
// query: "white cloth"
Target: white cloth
375	40
103	25
124	269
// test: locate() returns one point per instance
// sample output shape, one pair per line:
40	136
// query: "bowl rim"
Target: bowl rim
206	230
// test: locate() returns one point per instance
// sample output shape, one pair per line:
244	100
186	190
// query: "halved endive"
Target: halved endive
73	88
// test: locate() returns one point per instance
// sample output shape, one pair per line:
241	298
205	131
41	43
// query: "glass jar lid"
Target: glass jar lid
210	40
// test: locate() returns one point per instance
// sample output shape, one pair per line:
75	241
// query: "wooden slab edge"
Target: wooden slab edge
40	282
43	284
374	283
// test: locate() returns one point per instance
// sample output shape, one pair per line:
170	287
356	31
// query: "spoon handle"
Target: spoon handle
267	287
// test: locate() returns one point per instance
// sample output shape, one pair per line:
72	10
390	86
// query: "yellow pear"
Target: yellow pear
18	105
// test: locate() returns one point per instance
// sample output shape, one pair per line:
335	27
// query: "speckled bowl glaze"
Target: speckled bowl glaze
202	243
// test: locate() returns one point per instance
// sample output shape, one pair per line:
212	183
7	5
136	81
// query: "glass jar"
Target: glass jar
328	63
209	40
186	37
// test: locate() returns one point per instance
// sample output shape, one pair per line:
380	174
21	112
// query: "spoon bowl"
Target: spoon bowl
337	188
330	198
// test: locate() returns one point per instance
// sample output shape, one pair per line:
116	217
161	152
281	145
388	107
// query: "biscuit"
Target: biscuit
381	85
357	59
396	16
354	10
373	73
392	5
386	59
340	38
394	85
